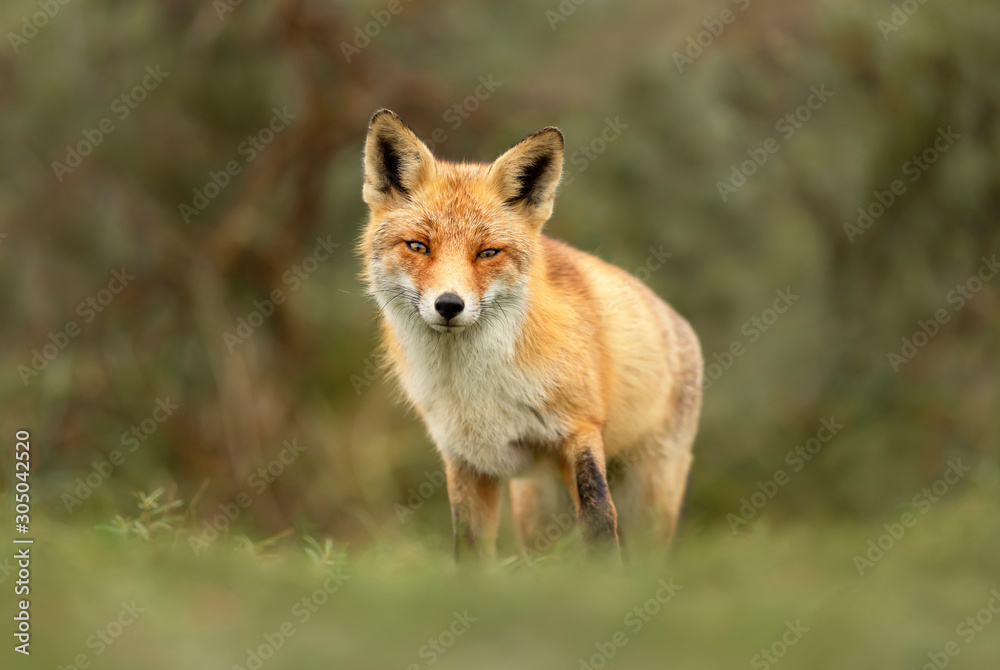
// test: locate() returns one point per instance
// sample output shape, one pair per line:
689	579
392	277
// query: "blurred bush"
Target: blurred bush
305	372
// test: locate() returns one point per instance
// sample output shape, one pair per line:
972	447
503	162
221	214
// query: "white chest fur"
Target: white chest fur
478	403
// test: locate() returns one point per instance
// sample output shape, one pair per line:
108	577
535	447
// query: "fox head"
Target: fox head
448	244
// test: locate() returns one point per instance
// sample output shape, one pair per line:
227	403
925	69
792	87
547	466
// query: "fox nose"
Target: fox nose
449	305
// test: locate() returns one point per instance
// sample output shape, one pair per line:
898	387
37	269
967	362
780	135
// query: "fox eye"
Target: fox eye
488	253
419	247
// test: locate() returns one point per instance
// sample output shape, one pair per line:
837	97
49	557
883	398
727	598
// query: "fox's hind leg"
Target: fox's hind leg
541	514
656	475
651	490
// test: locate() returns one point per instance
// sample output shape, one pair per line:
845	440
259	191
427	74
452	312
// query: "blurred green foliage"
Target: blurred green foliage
306	372
721	602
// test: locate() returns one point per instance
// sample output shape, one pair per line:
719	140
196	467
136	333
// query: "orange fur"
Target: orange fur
554	354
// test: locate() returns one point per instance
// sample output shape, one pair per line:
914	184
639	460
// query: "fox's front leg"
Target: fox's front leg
475	503
583	467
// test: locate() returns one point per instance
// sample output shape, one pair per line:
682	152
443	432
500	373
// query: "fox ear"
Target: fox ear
526	175
396	161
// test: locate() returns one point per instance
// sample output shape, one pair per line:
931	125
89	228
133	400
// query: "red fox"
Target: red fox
517	350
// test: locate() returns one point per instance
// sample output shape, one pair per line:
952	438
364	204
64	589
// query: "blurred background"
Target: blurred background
815	186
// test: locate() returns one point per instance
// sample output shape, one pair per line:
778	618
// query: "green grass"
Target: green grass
737	595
